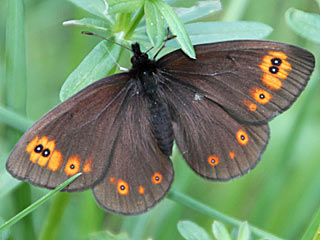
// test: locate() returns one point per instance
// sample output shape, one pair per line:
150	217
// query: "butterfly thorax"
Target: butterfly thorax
144	71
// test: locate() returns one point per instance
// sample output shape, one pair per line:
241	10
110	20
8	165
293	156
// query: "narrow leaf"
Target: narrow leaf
304	24
107	235
206	32
176	27
191	231
244	232
154	23
200	9
36	204
16	80
93	23
95	7
96	65
123	6
220	232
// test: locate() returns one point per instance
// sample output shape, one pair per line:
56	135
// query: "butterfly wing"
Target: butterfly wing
77	135
215	145
140	174
221	102
252	80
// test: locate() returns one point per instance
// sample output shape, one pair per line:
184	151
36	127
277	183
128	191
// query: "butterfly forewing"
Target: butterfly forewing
76	136
140	174
252	80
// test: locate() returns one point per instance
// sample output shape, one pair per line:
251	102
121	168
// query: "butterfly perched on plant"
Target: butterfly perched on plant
119	131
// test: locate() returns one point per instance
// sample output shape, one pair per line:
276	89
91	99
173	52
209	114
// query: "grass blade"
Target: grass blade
36	204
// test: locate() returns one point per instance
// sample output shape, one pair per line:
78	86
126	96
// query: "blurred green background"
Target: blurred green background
279	196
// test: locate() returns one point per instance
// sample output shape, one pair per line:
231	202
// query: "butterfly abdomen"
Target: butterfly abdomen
161	125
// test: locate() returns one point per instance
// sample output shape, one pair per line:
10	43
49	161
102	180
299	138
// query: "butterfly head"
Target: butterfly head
138	58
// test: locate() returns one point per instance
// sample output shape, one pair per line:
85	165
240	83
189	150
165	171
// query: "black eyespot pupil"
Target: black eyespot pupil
72	166
157	178
212	160
122	187
276	61
46	153
261	96
38	149
273	69
242	137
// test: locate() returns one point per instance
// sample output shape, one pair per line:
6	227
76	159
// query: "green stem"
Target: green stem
134	23
14	120
36	204
314	228
56	211
204	209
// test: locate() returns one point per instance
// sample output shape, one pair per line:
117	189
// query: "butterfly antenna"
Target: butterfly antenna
165	42
109	40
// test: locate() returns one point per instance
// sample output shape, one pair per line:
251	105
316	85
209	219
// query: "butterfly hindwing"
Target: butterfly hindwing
252	80
75	136
214	144
139	175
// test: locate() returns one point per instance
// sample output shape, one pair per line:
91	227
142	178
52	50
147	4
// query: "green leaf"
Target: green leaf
93	23
95	7
244	232
304	24
176	27
191	231
123	6
108	236
200	9
220	232
154	23
96	65
206	32
37	204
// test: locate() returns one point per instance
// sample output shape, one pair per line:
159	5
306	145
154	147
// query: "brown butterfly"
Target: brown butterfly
119	131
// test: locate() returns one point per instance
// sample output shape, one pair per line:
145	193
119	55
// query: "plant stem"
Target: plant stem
204	209
14	120
134	23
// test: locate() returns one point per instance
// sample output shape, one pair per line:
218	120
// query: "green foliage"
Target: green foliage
279	196
305	24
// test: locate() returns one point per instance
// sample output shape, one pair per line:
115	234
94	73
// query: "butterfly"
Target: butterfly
119	131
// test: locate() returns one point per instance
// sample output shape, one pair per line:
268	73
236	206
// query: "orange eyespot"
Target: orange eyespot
213	160
73	165
55	161
141	190
232	155
46	153
271	82
251	106
123	187
156	178
112	180
259	95
87	165
242	137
